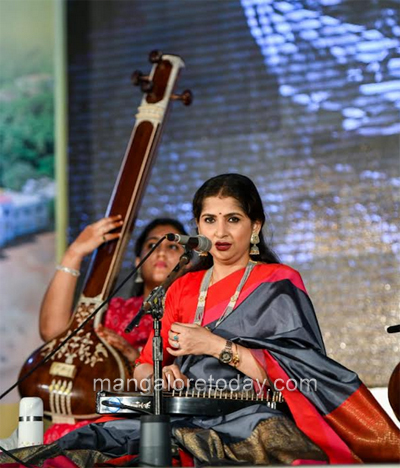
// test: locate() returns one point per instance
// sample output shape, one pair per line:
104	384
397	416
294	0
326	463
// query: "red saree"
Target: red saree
275	318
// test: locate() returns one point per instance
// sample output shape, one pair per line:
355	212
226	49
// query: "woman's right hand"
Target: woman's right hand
95	234
173	379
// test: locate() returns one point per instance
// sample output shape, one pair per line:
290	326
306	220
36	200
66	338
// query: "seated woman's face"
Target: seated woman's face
163	259
224	222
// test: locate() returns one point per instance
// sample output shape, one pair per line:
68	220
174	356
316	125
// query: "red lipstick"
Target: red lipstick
222	246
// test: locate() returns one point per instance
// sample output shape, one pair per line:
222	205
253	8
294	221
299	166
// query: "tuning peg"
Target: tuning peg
142	80
186	97
155	56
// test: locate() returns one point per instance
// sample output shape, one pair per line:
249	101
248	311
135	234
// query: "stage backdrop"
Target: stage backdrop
27	187
302	96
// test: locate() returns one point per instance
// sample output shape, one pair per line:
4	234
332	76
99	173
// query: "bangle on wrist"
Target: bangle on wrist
236	358
71	271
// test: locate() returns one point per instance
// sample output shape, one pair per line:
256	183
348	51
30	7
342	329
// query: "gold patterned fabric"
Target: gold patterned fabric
38	455
276	440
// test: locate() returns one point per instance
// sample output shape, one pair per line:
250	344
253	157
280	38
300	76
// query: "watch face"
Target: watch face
225	357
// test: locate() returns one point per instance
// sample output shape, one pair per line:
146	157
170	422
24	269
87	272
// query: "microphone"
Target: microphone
200	242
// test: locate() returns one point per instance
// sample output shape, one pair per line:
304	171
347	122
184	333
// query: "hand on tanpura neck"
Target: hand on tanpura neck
94	235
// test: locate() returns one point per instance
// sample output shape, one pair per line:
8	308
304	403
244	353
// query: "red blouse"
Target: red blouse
182	296
120	313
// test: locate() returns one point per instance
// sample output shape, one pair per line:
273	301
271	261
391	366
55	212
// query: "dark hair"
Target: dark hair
152	225
245	192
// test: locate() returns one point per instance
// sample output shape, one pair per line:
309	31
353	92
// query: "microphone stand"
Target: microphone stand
155	429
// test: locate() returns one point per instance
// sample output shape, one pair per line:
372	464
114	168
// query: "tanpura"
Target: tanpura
66	381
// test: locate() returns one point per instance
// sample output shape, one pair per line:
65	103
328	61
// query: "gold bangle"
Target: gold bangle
236	358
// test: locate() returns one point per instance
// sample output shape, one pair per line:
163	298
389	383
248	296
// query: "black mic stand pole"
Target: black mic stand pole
155	429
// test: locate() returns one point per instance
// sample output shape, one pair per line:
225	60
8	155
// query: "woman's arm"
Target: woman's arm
118	342
245	362
56	307
143	375
55	311
194	339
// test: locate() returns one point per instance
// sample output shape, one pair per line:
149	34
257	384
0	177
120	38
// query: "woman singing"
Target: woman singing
245	322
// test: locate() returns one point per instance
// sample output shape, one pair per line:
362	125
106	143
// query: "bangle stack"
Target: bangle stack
71	271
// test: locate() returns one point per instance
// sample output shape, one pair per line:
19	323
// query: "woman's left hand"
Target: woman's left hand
189	338
118	342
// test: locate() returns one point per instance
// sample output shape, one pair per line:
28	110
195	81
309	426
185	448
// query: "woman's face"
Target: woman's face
225	223
162	260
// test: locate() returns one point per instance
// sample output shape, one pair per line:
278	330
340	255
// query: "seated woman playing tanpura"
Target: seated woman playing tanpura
57	303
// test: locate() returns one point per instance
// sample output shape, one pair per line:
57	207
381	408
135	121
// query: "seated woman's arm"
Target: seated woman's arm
55	311
143	374
56	307
194	339
248	365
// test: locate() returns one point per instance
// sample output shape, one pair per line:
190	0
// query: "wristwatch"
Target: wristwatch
226	354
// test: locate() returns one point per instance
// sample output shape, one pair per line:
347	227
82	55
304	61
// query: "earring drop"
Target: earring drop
139	278
254	240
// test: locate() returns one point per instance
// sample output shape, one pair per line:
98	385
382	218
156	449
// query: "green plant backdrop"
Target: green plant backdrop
26	92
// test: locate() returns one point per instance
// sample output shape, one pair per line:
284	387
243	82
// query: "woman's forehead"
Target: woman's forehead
159	231
220	205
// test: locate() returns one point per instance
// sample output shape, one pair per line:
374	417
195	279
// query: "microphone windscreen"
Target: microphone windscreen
204	244
171	237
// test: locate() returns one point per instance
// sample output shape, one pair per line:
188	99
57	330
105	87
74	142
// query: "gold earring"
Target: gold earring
254	240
